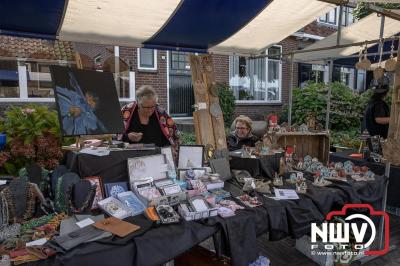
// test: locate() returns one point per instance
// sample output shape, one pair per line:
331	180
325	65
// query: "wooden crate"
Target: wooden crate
307	143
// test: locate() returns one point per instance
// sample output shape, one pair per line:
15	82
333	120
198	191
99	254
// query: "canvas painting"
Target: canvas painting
190	156
87	102
154	166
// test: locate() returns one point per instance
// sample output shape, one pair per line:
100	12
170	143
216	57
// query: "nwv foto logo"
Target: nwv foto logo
340	232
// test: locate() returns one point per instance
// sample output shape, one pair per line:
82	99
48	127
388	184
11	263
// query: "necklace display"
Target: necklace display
20	199
87	203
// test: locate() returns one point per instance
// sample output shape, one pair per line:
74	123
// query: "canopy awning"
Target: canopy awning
219	26
365	29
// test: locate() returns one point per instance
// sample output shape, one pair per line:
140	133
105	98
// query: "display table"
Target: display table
393	199
111	168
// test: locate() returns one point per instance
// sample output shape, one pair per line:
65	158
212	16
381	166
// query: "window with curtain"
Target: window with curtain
147	59
9	81
256	79
39	80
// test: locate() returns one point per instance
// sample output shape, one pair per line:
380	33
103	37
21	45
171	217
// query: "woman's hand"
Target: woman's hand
135	136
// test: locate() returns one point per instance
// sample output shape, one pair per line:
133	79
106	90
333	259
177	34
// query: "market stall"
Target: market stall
159	204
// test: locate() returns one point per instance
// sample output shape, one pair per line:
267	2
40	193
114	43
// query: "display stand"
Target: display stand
208	114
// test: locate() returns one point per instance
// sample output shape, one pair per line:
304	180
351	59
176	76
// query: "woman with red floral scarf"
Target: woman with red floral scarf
146	122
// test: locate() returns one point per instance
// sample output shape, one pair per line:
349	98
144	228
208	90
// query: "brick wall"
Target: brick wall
156	78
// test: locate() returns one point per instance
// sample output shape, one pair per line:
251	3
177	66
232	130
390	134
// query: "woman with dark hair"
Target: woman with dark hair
377	112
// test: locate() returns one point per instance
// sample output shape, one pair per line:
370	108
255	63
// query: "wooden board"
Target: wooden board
202	117
217	121
313	144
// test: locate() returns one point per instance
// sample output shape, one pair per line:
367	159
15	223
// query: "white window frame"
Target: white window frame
154	61
23	86
132	88
346	10
266	101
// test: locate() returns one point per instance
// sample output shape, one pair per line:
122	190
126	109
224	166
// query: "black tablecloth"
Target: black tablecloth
112	168
393	199
238	233
153	247
264	166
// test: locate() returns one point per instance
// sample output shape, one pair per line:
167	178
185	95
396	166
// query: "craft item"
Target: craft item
147	166
190	156
277	181
379	71
249	184
19	200
132	202
167	214
222	167
198	185
390	64
150	193
170	190
263	186
321	182
225	212
360	55
80	196
116	226
97	183
365	63
112	189
301	186
249	201
285	194
114	207
231	205
151	213
77	237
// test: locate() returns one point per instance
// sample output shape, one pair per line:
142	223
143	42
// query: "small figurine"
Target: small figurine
293	178
249	184
277	180
303	128
301	186
263	187
282	167
245	152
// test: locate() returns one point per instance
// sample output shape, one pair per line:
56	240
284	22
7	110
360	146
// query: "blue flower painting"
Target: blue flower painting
77	110
79	106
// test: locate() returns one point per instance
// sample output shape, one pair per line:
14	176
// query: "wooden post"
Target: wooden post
208	117
392	146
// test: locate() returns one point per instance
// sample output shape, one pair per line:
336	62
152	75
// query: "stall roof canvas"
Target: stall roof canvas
87	102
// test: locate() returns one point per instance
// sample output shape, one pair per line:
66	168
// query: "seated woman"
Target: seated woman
242	134
146	122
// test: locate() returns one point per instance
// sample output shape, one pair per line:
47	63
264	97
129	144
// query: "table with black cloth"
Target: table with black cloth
111	168
393	198
237	234
265	165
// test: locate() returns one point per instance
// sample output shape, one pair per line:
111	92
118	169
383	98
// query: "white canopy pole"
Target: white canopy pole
291	89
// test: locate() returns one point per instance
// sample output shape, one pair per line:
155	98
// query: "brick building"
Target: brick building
260	85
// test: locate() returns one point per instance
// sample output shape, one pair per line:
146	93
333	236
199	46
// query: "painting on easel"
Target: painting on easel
87	102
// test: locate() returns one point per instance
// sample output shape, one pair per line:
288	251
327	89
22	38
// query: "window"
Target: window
180	62
147	59
256	79
39	80
311	73
361	80
329	18
9	81
332	17
125	84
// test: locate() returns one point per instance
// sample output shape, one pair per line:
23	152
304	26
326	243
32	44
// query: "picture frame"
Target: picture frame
147	166
167	151
112	189
96	180
191	156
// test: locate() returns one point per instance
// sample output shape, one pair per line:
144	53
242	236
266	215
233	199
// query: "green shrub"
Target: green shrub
227	102
347	107
188	138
